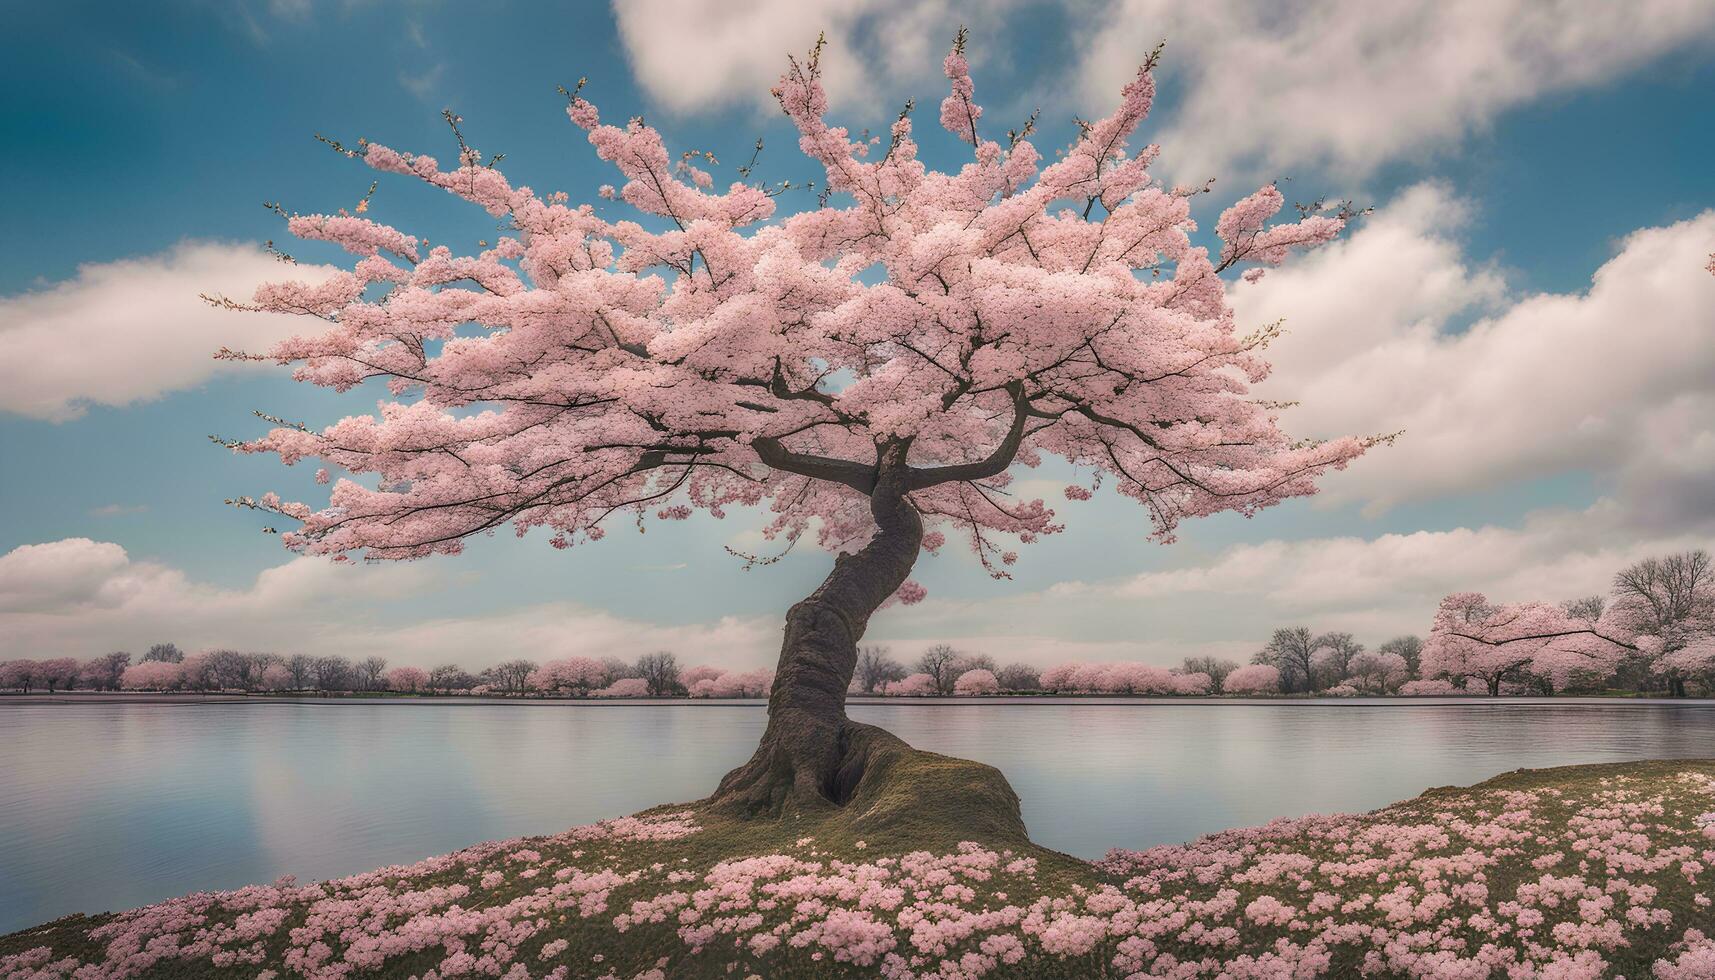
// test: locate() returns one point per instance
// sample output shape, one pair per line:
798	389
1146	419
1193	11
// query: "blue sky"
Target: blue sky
1554	430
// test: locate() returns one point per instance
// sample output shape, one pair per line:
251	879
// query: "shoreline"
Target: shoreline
1093	700
682	890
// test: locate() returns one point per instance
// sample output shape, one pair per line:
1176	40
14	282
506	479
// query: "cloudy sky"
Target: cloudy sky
1528	302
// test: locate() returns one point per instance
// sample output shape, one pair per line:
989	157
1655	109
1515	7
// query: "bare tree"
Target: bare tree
333	674
369	671
302	667
231	670
937	662
1215	667
451	677
510	675
661	671
1290	651
1018	677
167	653
1665	596
875	668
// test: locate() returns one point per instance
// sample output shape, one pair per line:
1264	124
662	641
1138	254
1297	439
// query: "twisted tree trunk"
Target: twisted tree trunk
811	753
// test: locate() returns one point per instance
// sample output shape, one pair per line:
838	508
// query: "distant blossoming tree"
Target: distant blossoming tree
409	680
914	686
976	682
870	370
625	687
1497	645
151	675
577	674
1253	679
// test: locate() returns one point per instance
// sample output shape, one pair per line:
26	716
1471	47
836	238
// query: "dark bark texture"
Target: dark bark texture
812	757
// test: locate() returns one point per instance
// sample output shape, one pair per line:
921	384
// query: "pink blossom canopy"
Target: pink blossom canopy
718	353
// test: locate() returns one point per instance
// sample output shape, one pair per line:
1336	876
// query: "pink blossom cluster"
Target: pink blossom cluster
1253	679
356	926
571	674
1590	877
728	683
624	687
1492	645
1126	677
974	683
918	685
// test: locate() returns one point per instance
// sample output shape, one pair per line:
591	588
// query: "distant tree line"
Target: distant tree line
1653	633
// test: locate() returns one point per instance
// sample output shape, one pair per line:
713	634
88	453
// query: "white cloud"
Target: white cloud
78	597
700	56
67	574
1618	380
131	330
1270	88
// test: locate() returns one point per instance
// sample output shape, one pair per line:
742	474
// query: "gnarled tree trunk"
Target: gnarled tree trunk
811	753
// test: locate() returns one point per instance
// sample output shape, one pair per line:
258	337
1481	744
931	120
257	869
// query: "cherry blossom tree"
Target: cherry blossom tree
578	674
1197	683
976	682
151	675
735	684
409	680
870	370
914	686
1475	640
59	673
20	674
1253	679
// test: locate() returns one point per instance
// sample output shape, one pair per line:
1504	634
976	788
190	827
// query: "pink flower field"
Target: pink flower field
1601	871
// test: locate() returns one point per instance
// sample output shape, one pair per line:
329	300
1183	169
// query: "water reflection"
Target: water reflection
113	805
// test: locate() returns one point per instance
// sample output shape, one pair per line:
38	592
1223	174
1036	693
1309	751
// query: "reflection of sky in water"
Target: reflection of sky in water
112	805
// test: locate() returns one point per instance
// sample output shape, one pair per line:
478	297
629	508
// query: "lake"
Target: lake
108	804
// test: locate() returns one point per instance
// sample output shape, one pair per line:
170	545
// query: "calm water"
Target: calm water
107	806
